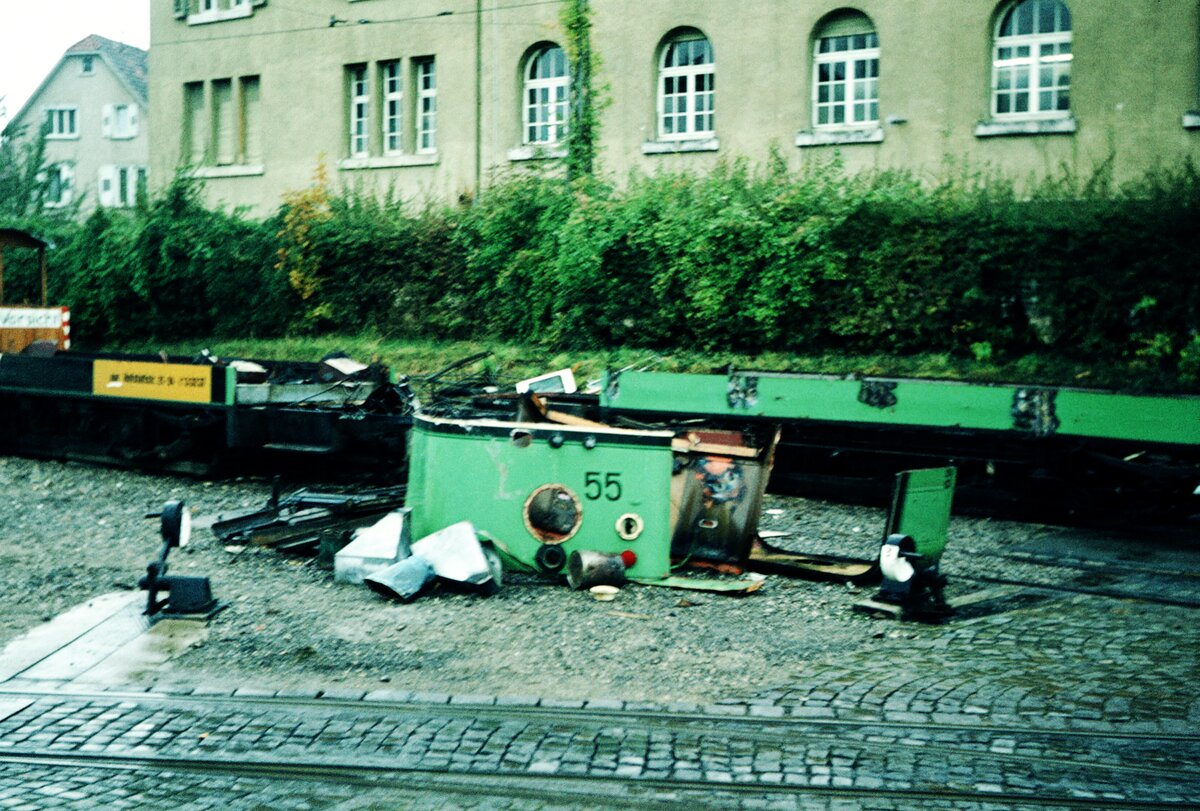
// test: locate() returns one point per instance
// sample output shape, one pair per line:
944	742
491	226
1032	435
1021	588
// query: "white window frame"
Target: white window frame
109	190
358	83
1034	65
62	122
135	179
425	73
391	81
87	65
842	58
117	125
694	109
545	96
212	11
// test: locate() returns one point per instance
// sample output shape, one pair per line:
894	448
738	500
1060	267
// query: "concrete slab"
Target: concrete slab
92	647
11	706
105	641
41	642
146	652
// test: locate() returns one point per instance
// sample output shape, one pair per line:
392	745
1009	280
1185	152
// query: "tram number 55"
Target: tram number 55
602	485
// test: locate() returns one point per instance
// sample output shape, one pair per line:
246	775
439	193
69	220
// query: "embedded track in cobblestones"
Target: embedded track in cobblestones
539	755
590	790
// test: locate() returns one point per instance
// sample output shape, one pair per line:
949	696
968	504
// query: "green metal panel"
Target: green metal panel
1039	411
230	385
1109	415
921	509
486	472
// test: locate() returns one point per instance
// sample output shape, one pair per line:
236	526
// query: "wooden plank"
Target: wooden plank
687	446
563	418
869	606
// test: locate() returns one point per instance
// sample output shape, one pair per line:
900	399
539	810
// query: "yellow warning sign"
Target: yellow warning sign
152	381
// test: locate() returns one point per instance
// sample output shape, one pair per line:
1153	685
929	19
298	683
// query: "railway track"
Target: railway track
589	791
948	765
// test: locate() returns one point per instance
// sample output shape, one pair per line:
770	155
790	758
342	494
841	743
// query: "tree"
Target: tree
23	179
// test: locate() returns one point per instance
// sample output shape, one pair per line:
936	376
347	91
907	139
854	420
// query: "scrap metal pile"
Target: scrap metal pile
527	480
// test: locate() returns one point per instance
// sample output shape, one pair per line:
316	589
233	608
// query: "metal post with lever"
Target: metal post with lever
186	596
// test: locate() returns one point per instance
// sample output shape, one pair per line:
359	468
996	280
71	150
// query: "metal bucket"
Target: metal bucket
586	569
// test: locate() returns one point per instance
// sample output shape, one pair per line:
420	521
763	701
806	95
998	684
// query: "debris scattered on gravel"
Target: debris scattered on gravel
72	532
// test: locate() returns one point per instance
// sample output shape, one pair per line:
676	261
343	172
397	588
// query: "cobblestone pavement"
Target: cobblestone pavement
1067	700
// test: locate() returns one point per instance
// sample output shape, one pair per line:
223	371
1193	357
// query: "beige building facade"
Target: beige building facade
92	108
435	99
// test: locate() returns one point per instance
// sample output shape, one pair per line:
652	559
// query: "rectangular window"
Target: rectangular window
846	92
55	187
61	122
202	12
224	149
390	112
250	131
426	104
393	107
359	86
222	122
121	185
1031	73
687	76
60	181
120	121
194	123
124	120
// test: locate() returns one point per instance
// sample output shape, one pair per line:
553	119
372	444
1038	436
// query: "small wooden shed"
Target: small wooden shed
12	238
22	325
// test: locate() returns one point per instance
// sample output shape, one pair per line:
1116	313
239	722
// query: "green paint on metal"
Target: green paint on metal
534	485
936	404
1160	418
230	385
921	509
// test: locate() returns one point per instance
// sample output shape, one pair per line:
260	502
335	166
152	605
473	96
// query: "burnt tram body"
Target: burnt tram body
1082	454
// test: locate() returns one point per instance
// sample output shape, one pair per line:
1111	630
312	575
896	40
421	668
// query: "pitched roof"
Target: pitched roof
128	62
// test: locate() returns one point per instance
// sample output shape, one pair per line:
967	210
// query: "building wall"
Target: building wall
92	150
1135	76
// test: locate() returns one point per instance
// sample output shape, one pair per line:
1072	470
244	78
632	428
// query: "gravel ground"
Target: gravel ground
71	532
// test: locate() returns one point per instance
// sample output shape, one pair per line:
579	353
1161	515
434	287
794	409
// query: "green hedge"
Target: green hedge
741	260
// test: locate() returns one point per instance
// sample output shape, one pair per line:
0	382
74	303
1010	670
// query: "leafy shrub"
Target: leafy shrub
737	260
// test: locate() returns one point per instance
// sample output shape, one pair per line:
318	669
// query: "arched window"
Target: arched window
546	86
846	72
686	94
1031	61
